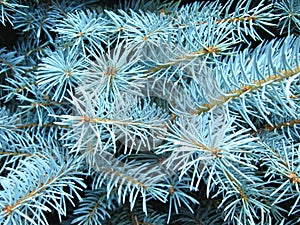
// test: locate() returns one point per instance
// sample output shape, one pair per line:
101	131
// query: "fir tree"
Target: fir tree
150	112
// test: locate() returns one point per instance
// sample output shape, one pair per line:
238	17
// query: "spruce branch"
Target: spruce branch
289	15
94	207
150	112
33	193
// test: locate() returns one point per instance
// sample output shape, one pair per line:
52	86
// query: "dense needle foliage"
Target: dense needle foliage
149	112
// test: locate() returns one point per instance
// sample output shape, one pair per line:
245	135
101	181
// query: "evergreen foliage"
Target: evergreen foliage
150	112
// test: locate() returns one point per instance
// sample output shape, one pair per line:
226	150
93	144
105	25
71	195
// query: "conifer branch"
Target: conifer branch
150	112
255	86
